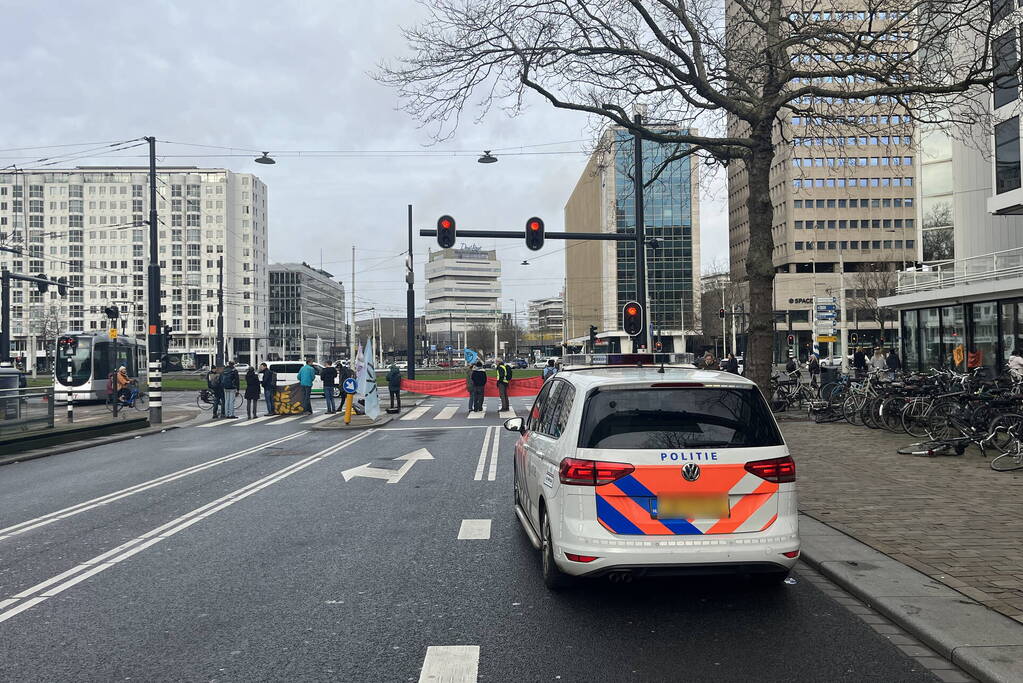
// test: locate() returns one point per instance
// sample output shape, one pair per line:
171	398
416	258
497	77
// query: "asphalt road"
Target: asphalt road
210	553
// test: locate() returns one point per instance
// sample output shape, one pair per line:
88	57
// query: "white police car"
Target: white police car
633	471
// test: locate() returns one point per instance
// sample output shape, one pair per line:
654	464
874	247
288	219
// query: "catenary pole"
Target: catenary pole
640	340
153	339
220	312
410	305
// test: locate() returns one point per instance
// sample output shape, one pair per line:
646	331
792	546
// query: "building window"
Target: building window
1000	9
1007	170
1003	49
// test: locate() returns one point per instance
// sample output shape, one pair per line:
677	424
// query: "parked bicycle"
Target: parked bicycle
204	399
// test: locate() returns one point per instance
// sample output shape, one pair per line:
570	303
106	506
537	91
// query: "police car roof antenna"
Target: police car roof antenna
661	371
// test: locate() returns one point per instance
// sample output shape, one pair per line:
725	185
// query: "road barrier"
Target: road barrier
25	410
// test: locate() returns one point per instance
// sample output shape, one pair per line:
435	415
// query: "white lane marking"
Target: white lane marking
319	418
450	664
415	413
492	474
478	415
248	422
483	456
89	568
474	529
416	429
446	413
290	418
392	476
506	413
63	513
219	422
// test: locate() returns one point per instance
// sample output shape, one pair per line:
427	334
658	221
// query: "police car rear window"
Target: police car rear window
722	417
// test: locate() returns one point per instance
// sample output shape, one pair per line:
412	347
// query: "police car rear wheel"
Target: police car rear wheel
553	577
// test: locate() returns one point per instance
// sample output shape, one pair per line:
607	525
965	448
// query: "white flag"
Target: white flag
370	386
360	372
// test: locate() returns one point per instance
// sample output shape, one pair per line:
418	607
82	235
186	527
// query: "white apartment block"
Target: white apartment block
89	224
462	293
547	316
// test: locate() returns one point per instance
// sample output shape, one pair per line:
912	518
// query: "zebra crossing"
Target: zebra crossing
447	411
269	421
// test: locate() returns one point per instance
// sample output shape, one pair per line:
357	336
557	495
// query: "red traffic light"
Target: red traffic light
446	232
791	338
632	318
534	233
721	313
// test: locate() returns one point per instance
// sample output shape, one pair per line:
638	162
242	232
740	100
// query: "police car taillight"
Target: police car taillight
777	470
592	472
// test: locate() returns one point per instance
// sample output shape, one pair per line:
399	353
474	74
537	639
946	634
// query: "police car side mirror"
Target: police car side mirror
515	424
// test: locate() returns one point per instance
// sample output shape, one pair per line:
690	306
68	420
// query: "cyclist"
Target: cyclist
123	384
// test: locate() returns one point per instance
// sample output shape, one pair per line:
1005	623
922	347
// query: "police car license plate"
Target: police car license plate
692	507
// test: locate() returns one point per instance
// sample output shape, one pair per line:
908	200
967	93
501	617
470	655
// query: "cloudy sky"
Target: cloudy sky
287	77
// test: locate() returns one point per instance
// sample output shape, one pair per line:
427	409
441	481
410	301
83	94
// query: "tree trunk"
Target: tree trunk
760	261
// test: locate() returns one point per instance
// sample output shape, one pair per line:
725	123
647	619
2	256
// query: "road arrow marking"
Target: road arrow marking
391	476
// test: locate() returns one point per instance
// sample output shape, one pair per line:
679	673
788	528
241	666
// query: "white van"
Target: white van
287	373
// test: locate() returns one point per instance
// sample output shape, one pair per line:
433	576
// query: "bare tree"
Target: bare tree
715	76
868	287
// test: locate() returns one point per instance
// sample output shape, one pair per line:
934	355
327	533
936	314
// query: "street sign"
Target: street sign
433	347
113	333
826	315
350	386
449	347
826	307
826	338
824	299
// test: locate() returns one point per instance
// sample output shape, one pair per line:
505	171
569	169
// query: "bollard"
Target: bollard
70	406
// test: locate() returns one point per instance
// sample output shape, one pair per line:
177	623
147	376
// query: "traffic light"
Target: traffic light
534	233
721	313
62	287
657	346
632	318
792	339
42	286
593	336
165	338
111	312
446	232
852	338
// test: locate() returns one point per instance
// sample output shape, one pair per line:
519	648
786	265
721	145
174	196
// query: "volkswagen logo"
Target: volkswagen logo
691	471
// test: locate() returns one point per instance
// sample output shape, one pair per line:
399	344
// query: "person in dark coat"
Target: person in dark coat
893	362
269	384
215	384
251	393
230	381
731	364
394	384
860	362
328	375
479	381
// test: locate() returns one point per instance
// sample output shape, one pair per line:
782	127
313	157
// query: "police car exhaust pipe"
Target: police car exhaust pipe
620	577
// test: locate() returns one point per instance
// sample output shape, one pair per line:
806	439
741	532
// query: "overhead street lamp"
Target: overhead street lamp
487	158
265	159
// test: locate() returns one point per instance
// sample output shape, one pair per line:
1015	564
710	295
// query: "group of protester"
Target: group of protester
225	382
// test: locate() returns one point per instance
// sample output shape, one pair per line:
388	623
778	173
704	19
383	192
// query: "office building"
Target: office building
968	311
463	293
307	314
546	319
844	188
89	224
601	275
390	336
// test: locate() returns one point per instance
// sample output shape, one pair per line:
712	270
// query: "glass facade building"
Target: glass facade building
668	214
962	336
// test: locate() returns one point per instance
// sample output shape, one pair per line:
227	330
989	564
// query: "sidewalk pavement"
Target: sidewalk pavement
949	526
173	417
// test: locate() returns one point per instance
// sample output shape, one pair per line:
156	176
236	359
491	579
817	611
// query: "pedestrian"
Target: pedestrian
708	361
878	363
550	370
1015	364
791	367
893	363
860	362
215	383
504	373
468	386
230	381
269	384
251	393
306	375
479	383
394	385
327	376
731	364
813	365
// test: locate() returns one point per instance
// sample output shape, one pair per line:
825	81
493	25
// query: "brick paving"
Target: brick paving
952	518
